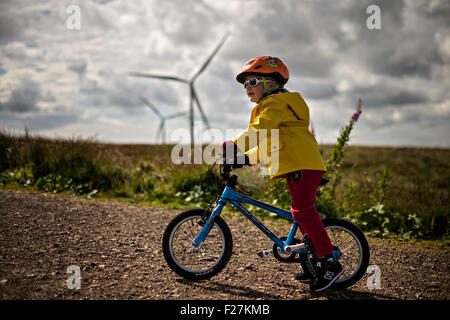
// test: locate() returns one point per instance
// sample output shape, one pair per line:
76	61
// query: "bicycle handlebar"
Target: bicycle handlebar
225	170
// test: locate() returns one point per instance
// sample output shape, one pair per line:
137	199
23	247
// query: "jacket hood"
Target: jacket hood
296	103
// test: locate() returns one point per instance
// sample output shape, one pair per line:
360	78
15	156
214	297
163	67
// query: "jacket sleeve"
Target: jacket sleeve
256	141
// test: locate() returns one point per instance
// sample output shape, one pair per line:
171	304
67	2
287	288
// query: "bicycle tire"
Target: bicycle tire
174	256
354	267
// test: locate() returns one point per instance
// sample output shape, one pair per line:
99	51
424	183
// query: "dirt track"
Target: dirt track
118	249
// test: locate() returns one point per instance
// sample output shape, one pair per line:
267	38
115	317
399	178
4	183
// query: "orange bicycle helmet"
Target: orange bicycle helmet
265	66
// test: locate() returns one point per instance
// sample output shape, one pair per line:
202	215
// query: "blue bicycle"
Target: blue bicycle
197	244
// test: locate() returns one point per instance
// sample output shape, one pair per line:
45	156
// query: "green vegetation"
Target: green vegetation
386	191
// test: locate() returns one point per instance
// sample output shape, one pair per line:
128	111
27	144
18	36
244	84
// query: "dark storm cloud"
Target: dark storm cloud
43	121
11	27
184	22
402	47
22	110
439	10
409	56
399	98
23	99
405	45
380	96
293	28
315	89
78	66
284	30
50	121
9	30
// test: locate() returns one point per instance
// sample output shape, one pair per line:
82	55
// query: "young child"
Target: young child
296	152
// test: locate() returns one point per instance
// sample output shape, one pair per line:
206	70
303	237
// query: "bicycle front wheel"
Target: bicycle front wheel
196	263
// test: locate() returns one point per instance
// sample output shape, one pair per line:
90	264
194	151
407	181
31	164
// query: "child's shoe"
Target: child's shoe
328	270
306	276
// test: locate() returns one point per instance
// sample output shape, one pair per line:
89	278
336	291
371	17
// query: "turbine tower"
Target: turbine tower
190	82
161	130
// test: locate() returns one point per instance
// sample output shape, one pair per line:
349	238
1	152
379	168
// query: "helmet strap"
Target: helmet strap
265	85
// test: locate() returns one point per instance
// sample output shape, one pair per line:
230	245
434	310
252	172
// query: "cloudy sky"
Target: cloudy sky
63	79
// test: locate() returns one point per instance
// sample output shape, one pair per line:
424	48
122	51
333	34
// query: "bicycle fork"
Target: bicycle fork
198	241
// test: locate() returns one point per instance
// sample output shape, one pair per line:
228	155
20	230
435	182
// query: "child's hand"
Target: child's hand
230	154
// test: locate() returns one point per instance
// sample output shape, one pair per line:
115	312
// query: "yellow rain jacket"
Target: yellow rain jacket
290	148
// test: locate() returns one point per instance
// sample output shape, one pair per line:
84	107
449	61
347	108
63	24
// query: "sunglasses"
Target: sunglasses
254	82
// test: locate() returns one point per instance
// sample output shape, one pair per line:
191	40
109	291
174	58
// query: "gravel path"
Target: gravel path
117	248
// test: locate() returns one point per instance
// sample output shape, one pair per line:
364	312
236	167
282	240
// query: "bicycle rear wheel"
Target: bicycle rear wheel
201	263
355	253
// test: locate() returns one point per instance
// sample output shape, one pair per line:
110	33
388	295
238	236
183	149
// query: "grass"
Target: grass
387	191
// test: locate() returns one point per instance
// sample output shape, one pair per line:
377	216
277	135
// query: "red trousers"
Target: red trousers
303	188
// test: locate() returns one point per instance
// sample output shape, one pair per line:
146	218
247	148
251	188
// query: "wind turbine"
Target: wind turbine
190	82
161	130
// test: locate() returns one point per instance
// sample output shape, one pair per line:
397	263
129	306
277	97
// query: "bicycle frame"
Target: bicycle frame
235	198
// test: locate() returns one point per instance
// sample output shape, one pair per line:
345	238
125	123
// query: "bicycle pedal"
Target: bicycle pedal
264	253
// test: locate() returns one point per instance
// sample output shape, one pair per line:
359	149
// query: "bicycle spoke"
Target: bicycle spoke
349	248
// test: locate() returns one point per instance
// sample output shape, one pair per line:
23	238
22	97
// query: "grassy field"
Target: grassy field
389	192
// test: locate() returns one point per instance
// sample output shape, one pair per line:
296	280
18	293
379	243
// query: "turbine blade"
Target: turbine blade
222	41
156	76
151	106
176	115
194	94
